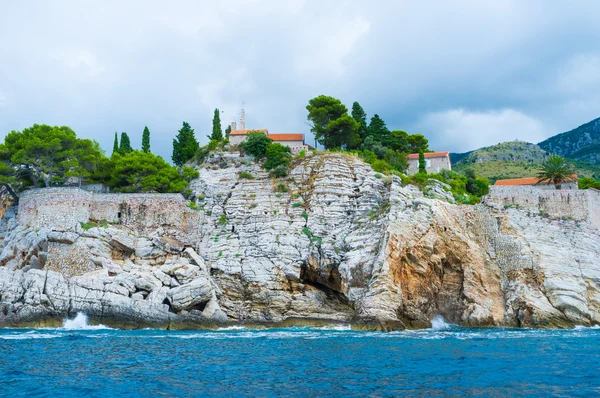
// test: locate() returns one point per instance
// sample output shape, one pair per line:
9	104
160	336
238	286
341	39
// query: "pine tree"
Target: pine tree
125	146
185	145
359	114
146	140
217	132
377	129
116	144
422	165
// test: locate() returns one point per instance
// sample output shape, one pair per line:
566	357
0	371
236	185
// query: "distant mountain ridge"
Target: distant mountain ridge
581	143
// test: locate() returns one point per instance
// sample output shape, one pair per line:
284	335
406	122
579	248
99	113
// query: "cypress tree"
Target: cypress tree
146	140
116	144
377	129
227	131
422	165
185	145
217	132
359	114
125	146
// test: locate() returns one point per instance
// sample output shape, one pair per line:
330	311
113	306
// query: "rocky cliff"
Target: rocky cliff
332	242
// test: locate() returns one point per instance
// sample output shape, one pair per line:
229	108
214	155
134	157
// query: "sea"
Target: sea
79	360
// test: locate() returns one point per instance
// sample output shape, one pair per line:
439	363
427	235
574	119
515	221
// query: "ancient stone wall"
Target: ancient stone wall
64	209
577	205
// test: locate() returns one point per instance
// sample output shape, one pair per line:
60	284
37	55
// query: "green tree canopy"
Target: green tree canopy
256	144
125	145
217	132
556	170
398	141
377	129
139	171
417	142
359	114
332	125
227	131
45	154
116	144
422	165
184	145
146	140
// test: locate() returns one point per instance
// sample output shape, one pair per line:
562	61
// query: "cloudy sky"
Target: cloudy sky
464	73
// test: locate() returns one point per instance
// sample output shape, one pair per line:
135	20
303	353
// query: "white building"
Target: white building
434	162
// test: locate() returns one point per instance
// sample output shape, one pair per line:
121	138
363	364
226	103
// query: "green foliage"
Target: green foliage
396	160
305	215
332	125
116	144
256	144
281	187
585	183
296	204
201	154
279	171
359	114
377	175
48	154
307	232
377	129
557	170
194	206
185	145
189	173
417	142
301	154
125	145
139	171
381	166
227	131
223	219
246	175
146	140
217	131
422	165
277	155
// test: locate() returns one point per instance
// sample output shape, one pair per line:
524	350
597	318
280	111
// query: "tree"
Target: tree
398	141
556	170
217	132
146	140
417	142
125	146
359	114
332	125
277	155
396	159
422	165
377	129
184	145
139	171
49	154
227	131
116	144
478	186
256	144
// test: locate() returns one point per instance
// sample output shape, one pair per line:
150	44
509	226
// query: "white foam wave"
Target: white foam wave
80	322
439	323
230	328
28	336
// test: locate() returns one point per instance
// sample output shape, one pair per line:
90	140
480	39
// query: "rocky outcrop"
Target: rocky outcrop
331	242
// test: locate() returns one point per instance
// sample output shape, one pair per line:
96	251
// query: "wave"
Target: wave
439	323
80	322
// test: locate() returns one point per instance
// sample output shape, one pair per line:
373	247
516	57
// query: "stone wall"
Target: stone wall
434	165
579	205
64	209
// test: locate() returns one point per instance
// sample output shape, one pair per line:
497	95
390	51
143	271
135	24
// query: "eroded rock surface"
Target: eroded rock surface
333	241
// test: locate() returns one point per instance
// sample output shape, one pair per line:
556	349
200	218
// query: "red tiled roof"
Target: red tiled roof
524	181
244	132
428	155
286	137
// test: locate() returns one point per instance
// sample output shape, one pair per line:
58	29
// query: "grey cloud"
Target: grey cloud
461	72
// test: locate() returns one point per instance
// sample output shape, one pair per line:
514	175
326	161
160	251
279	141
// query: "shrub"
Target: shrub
189	173
246	175
585	183
281	187
377	175
297	204
279	171
301	154
256	144
223	219
305	215
381	166
277	155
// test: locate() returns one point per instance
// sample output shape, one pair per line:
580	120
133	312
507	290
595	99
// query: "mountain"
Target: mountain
582	143
512	159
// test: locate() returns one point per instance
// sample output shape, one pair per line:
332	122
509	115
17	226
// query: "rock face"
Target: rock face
333	241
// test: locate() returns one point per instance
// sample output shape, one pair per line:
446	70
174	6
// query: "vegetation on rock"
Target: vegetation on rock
185	145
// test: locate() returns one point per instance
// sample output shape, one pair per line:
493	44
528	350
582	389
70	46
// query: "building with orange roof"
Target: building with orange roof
434	162
292	140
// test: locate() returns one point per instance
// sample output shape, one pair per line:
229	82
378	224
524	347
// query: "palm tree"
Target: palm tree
556	170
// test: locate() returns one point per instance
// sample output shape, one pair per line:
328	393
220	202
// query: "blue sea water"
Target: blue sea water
93	361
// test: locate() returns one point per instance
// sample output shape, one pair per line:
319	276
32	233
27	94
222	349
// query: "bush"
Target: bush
297	204
585	183
256	144
281	187
301	154
189	173
201	154
246	175
277	155
279	171
381	166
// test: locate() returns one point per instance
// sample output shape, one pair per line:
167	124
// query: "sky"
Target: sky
466	74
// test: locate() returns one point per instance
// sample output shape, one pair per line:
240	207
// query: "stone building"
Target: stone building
434	162
534	182
294	141
236	137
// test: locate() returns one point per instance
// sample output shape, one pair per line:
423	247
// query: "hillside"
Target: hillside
582	143
512	159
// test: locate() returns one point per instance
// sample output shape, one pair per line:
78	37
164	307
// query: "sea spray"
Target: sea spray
439	323
80	322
